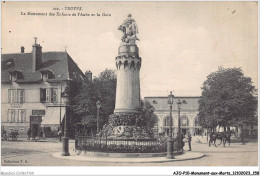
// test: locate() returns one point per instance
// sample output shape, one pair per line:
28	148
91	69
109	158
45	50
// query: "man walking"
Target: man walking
60	134
189	141
29	133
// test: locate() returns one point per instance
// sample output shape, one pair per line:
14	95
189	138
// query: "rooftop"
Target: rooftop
161	103
59	63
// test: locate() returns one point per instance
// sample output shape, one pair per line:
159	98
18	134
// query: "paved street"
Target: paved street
39	154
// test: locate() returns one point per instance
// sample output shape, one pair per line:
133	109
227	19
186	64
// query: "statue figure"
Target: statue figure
129	29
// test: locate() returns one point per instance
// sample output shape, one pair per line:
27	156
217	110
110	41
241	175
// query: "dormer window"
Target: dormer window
15	74
47	74
13	77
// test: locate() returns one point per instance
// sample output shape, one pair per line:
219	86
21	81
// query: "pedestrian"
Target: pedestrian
33	133
189	141
60	134
12	134
182	141
29	133
41	134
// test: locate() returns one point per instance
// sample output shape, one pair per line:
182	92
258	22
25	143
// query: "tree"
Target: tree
83	104
227	99
105	87
84	97
148	116
73	88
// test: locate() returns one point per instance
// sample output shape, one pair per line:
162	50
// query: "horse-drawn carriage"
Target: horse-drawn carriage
223	137
12	136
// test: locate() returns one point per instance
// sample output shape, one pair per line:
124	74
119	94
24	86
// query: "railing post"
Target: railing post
85	140
100	144
76	142
106	143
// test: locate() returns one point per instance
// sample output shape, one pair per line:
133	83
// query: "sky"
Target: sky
181	43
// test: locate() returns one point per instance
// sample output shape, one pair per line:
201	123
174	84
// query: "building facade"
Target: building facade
32	84
188	115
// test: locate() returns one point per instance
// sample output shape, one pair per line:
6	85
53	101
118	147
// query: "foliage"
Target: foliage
84	95
123	119
227	99
73	89
149	119
105	87
83	98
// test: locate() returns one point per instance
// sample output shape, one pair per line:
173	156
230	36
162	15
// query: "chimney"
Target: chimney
22	49
88	74
36	55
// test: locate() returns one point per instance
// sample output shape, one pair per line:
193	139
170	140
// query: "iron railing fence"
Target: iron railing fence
119	145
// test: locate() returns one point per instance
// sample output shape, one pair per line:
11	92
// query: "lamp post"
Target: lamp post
60	109
170	140
179	119
98	107
65	138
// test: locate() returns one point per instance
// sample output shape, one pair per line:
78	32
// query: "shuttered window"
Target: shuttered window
49	95
21	115
16	96
11	115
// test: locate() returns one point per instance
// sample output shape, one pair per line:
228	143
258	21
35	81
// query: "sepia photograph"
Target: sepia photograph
130	84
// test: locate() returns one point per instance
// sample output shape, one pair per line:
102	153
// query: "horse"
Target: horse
214	136
223	136
227	138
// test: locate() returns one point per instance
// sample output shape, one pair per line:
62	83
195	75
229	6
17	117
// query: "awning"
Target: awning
52	116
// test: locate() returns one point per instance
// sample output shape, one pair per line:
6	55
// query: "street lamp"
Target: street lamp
170	140
60	108
65	139
98	107
179	119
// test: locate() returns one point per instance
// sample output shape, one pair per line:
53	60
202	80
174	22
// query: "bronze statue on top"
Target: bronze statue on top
129	29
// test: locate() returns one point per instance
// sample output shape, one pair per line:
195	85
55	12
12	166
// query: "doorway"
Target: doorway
35	130
35	123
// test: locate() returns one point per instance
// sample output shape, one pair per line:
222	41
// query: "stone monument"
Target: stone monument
127	121
128	64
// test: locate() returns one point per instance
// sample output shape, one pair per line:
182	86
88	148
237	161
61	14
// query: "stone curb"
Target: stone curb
183	157
42	140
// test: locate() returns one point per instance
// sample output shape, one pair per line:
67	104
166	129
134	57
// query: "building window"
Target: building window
54	93
13	77
196	122
20	96
16	96
11	95
184	121
49	95
45	76
11	115
167	121
21	115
